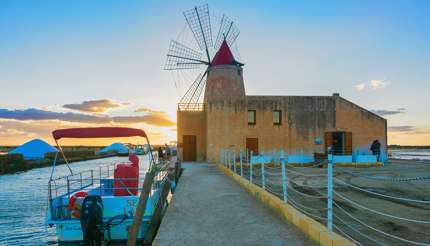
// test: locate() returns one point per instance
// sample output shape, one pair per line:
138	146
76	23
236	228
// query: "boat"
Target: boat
100	204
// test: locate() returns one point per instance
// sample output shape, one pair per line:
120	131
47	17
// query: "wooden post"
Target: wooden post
141	207
158	211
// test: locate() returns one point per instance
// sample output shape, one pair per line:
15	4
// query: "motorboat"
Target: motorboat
100	204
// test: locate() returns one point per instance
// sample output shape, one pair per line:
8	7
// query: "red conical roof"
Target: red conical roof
223	56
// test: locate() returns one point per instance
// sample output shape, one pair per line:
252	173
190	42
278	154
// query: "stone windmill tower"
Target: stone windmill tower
201	119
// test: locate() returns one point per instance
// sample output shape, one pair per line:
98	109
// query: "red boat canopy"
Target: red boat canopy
98	132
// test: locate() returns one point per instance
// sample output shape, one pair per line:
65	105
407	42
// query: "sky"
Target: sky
100	62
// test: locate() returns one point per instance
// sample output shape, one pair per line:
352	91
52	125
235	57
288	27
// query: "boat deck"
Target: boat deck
208	208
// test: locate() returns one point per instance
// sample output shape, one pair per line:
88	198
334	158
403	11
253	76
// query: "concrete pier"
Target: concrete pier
209	208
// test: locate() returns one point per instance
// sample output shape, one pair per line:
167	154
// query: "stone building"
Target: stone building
228	118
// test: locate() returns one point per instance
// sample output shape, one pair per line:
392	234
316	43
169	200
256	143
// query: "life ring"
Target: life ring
74	206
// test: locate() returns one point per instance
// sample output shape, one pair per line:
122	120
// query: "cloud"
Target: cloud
374	84
161	120
15	132
402	128
148	110
93	106
383	112
360	86
378	84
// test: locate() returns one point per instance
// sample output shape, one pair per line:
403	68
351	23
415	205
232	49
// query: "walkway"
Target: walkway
209	208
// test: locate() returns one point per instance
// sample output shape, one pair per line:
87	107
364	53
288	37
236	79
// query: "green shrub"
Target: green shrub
12	163
72	154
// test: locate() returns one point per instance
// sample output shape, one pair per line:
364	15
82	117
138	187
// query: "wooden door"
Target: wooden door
189	147
347	143
252	145
328	140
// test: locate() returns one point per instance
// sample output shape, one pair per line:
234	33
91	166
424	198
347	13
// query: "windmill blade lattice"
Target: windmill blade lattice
227	31
182	57
194	92
199	21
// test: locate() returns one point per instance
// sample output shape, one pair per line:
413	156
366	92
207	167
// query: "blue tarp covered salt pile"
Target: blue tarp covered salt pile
115	148
34	149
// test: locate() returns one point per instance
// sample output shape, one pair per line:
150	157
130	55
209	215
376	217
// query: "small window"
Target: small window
252	118
277	117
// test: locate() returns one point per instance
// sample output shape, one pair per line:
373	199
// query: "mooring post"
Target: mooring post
234	161
133	230
284	176
241	163
262	162
250	167
330	192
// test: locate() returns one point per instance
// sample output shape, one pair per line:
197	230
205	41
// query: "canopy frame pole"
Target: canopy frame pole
64	156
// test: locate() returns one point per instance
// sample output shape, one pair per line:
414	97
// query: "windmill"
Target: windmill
209	53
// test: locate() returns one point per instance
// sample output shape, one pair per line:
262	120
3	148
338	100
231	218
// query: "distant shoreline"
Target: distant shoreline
32	164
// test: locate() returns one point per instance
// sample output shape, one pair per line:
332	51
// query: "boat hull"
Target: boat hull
71	232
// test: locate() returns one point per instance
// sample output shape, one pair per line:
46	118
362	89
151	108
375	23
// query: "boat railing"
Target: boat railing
102	183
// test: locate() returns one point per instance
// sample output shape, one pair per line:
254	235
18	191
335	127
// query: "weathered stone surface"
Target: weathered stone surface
304	119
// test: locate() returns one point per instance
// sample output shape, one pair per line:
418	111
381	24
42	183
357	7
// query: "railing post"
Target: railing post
330	192
234	161
262	162
274	157
221	156
301	157
68	186
100	180
228	159
284	176
247	155
92	177
250	167
241	163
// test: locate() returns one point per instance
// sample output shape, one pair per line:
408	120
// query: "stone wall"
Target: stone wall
364	125
224	122
304	118
227	126
192	123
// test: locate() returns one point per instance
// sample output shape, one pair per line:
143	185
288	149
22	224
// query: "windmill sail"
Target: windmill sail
182	57
199	21
228	31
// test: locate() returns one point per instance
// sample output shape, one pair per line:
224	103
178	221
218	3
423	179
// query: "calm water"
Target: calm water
410	154
23	202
